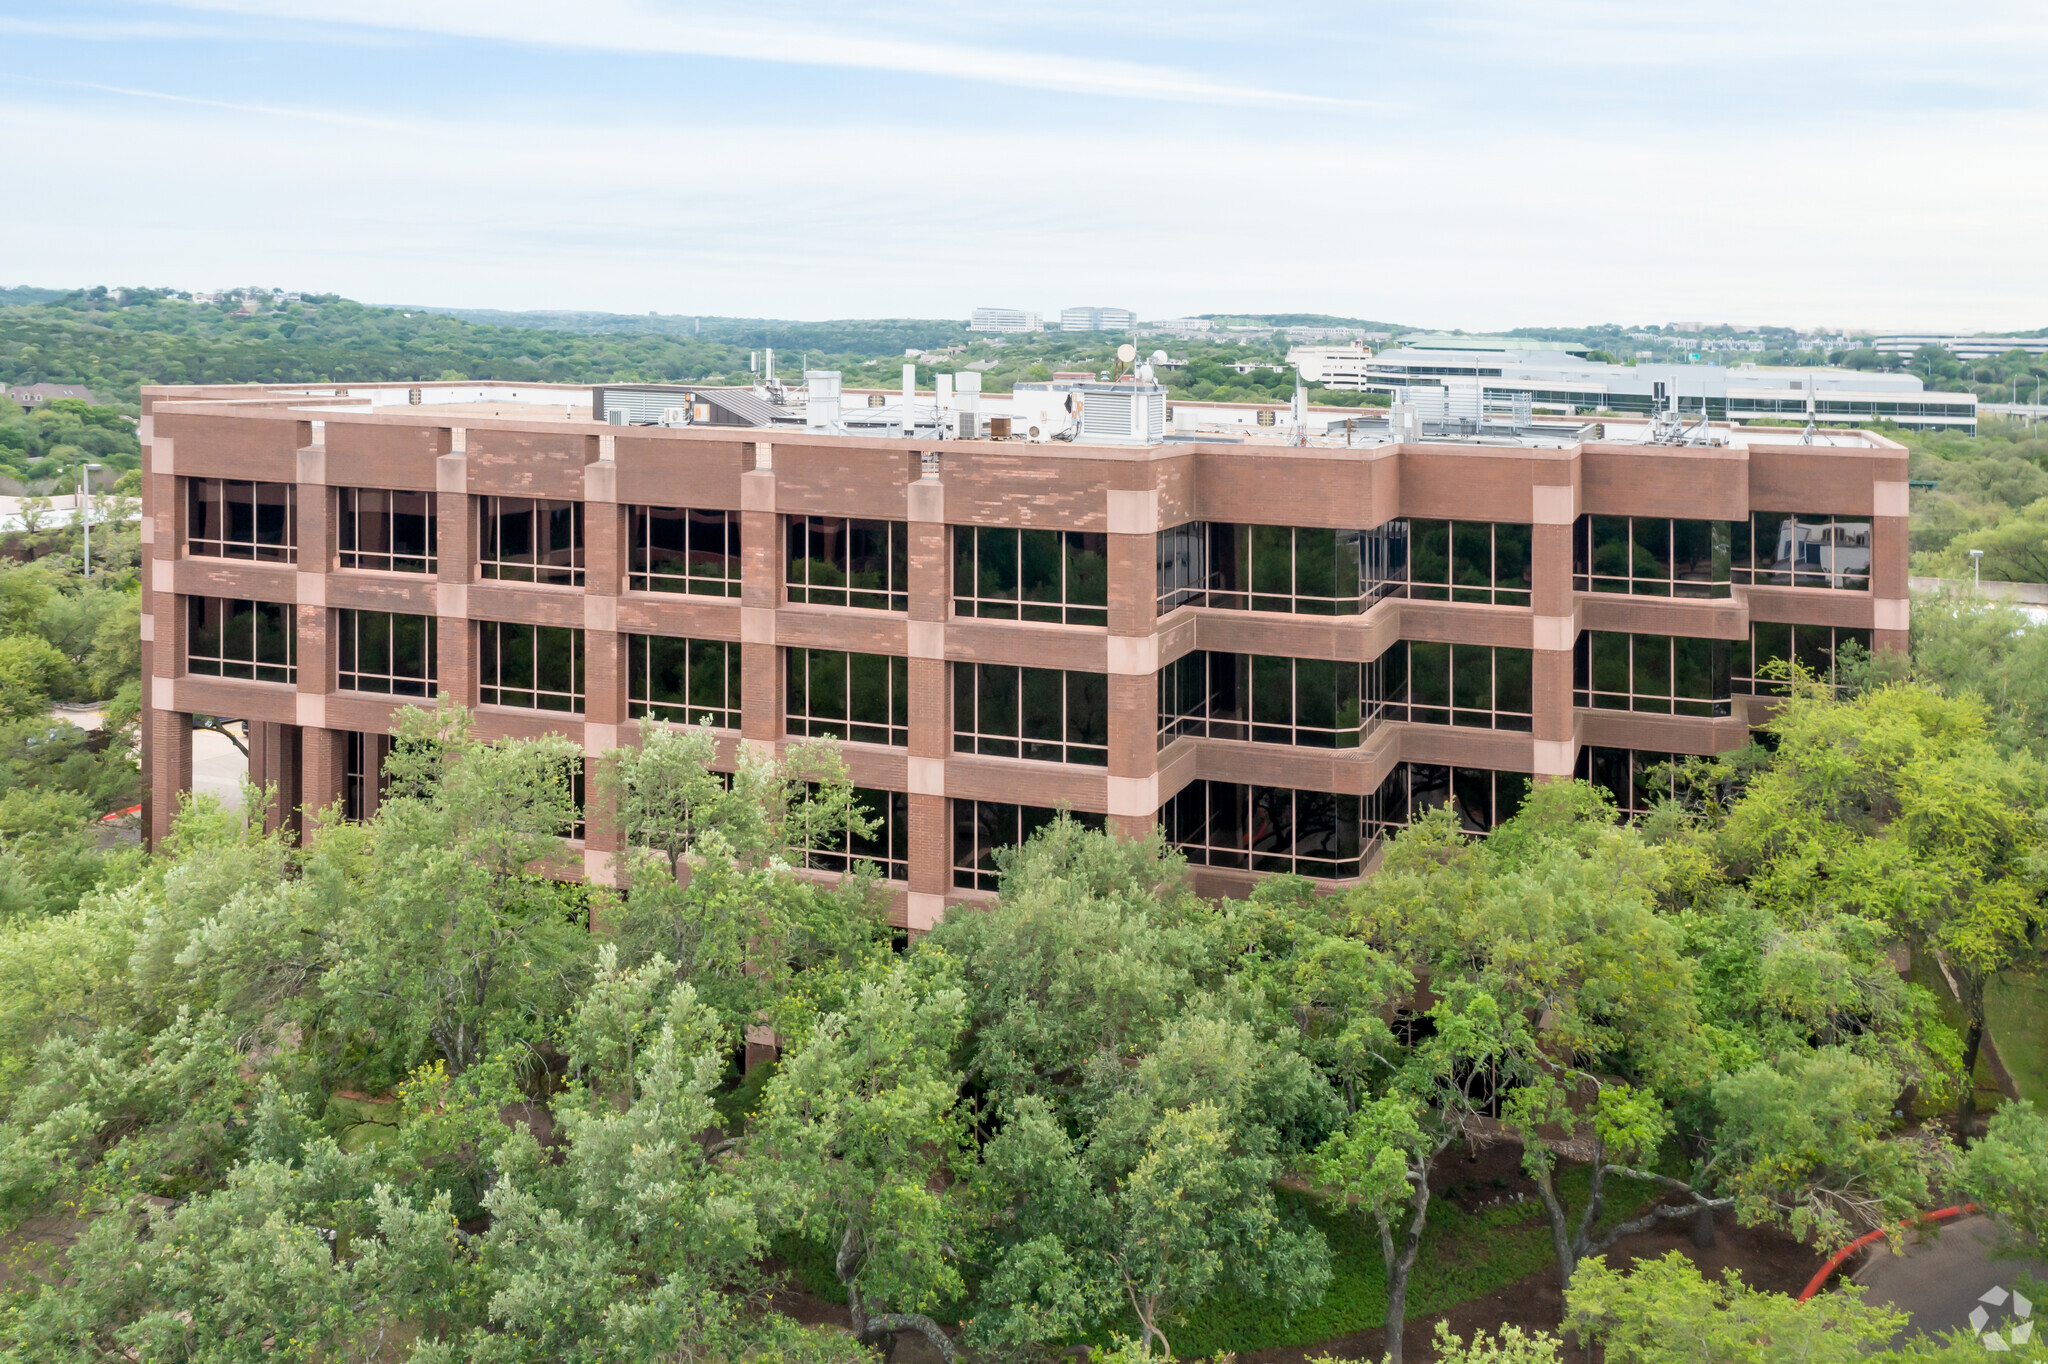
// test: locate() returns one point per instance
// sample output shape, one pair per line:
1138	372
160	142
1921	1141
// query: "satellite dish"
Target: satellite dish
1158	357
1127	352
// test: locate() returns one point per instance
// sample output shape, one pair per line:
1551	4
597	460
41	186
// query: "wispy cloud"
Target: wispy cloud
884	44
309	115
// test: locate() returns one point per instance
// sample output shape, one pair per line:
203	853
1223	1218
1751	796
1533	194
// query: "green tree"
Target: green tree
1163	1195
861	1146
1665	1312
459	937
1809	1141
2015	548
707	884
1896	807
2006	1174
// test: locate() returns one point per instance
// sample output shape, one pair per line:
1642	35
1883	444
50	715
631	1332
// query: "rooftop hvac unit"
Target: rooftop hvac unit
821	407
675	416
1109	416
616	416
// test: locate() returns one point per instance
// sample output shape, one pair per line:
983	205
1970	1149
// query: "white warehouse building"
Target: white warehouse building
1555	381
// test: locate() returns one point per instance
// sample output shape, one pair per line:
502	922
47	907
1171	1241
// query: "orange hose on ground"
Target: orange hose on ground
1835	1261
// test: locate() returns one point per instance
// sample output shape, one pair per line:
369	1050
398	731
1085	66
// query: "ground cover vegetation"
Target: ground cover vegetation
66	639
393	1091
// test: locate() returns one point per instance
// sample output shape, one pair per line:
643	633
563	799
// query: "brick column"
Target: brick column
314	506
170	743
274	751
455	557
1555	509
1891	617
760	594
931	723
323	762
167	734
604	648
1133	661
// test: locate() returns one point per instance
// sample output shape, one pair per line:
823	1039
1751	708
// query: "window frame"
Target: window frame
888	848
977	548
1595	532
1829	527
800	678
253	547
799	589
641	573
494	511
1189	688
254	666
1463	580
1193	816
641	657
491	638
1644	657
1506	669
350	518
1395	801
1744	668
979	692
972	818
349	629
1595	766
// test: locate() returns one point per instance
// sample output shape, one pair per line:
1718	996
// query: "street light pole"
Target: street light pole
85	509
1977	571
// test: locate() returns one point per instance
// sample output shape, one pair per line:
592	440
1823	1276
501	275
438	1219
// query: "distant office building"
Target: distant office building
1005	320
1180	326
1963	347
1332	366
1559	382
1097	319
1458	341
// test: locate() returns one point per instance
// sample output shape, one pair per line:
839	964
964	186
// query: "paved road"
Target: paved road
1939	1279
218	768
217	765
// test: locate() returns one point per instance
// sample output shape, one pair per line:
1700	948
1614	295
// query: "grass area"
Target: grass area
2016	1011
1464	1255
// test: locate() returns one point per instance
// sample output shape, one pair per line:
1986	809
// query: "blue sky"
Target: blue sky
1456	164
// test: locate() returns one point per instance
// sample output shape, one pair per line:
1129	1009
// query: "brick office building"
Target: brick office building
1278	651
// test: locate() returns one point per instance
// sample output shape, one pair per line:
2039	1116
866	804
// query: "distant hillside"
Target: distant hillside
854	336
30	294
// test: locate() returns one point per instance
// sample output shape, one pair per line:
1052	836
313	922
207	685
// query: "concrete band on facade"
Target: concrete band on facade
304	732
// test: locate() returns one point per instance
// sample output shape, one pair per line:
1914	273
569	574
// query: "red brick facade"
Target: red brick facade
1126	494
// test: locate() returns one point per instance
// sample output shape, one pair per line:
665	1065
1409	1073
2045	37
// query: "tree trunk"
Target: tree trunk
1703	1227
881	1328
1966	1106
1560	1232
1401	1265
